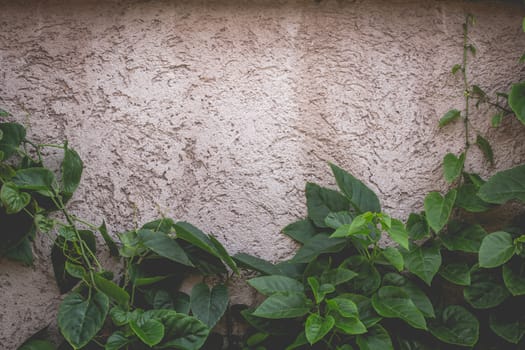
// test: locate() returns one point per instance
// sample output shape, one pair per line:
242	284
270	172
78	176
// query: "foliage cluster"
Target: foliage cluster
445	283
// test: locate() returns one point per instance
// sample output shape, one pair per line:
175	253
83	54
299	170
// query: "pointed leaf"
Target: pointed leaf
496	249
514	276
456	325
322	201
485	148
438	209
289	305
418	297
423	261
164	246
508	323
301	231
317	245
504	186
377	338
453	166
451	115
316	327
72	167
394	257
456	273
393	302
209	306
517	100
417	227
485	291
12	199
111	289
112	246
269	285
464	238
150	332
398	233
256	264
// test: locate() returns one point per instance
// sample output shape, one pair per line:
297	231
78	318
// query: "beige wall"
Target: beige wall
218	112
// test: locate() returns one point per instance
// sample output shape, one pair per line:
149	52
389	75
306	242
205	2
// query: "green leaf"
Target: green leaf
37	344
472	49
343	305
301	231
181	331
456	325
465	238
417	226
469	200
316	327
269	285
349	325
485	291
279	305
257	338
36	179
377	338
320	291
111	289
119	316
360	196
322	201
79	319
393	302
517	100
394	257
456	273
485	148
337	276
359	225
368	279
299	341
496	120
398	233
112	246
164	246
453	166
318	244
336	220
256	264
508	322
438	209
455	69
116	341
75	270
21	252
504	186
514	276
450	116
4	114
496	249
12	199
418	297
163	224
423	261
209	306
149	332
13	135
72	167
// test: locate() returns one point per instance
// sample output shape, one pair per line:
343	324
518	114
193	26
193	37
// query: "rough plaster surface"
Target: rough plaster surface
218	112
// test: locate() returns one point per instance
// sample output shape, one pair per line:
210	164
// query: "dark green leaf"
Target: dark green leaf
508	322
336	220
377	338
517	100
438	209
181	331
469	200
496	249
485	148
113	249
284	306
80	319
367	314
12	199
37	179
453	166
368	279
13	135
423	261
361	197
322	201
72	167
464	238
343	305
164	225
417	226
209	306
317	245
456	273
337	276
485	291
37	344
514	276
316	327
417	296
449	117
301	231
116	341
256	264
149	332
504	186
456	325
393	302
111	289
268	285
164	246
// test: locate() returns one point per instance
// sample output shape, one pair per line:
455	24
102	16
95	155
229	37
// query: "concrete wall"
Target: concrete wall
218	112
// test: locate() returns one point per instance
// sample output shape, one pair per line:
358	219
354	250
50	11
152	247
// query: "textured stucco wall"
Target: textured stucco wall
218	112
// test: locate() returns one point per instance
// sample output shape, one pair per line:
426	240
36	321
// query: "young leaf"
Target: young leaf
394	257
449	117
268	285
361	197
164	246
398	233
72	167
320	291
209	306
423	261
496	119
12	136
496	249
505	185
12	199
113	249
349	325
80	319
517	100
456	68
456	325
343	305
322	201
453	166
514	276
438	209
316	327
150	332
280	305
485	148
111	289
256	264
377	338
393	302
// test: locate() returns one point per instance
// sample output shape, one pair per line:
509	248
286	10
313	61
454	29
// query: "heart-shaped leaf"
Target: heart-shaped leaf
393	302
456	325
209	306
316	327
438	209
496	249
